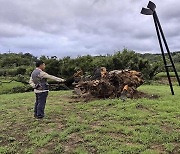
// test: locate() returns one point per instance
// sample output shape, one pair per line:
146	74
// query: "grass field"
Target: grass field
7	87
103	126
164	74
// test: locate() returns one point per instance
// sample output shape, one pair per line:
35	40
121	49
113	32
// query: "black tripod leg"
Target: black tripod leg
166	45
163	55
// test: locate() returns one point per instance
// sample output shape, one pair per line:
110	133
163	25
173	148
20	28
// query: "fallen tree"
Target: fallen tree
103	84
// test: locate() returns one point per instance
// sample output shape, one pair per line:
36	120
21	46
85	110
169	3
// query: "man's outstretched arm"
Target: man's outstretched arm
47	76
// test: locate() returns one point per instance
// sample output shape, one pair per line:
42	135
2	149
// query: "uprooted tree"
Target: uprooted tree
117	83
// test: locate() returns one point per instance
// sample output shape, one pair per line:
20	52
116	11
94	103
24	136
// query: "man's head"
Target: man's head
40	64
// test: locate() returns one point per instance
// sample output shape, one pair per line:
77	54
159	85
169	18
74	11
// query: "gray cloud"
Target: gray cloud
78	27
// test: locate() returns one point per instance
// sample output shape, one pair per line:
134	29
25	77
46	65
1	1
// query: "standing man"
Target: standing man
38	81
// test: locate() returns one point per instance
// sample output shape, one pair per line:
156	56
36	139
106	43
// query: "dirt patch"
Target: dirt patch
96	125
119	136
73	141
158	148
167	127
60	126
42	150
176	150
137	95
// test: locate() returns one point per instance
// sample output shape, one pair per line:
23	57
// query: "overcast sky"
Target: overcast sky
80	27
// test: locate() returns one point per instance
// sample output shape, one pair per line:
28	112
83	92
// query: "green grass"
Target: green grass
103	126
7	87
164	74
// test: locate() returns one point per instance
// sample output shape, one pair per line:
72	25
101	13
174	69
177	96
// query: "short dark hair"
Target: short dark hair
39	62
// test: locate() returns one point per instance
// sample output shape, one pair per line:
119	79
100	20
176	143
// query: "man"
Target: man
38	81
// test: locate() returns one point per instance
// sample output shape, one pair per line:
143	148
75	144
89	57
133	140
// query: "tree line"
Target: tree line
13	64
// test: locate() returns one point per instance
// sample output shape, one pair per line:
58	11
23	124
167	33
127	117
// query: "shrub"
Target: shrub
21	89
21	71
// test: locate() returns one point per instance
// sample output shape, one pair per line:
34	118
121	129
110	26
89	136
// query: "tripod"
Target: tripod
161	38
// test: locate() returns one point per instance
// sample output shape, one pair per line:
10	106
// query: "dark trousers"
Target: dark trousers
40	104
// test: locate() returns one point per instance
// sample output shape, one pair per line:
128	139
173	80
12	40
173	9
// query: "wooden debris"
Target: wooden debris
103	84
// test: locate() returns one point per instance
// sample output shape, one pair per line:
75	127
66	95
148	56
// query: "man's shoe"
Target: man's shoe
39	117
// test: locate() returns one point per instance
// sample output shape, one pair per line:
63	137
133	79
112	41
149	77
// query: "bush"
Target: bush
11	72
29	70
21	71
21	89
22	79
2	72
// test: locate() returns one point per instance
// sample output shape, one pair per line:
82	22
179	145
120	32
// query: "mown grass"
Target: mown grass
103	126
7	87
164	74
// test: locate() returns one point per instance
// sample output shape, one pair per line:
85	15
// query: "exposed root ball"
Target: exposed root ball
117	83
